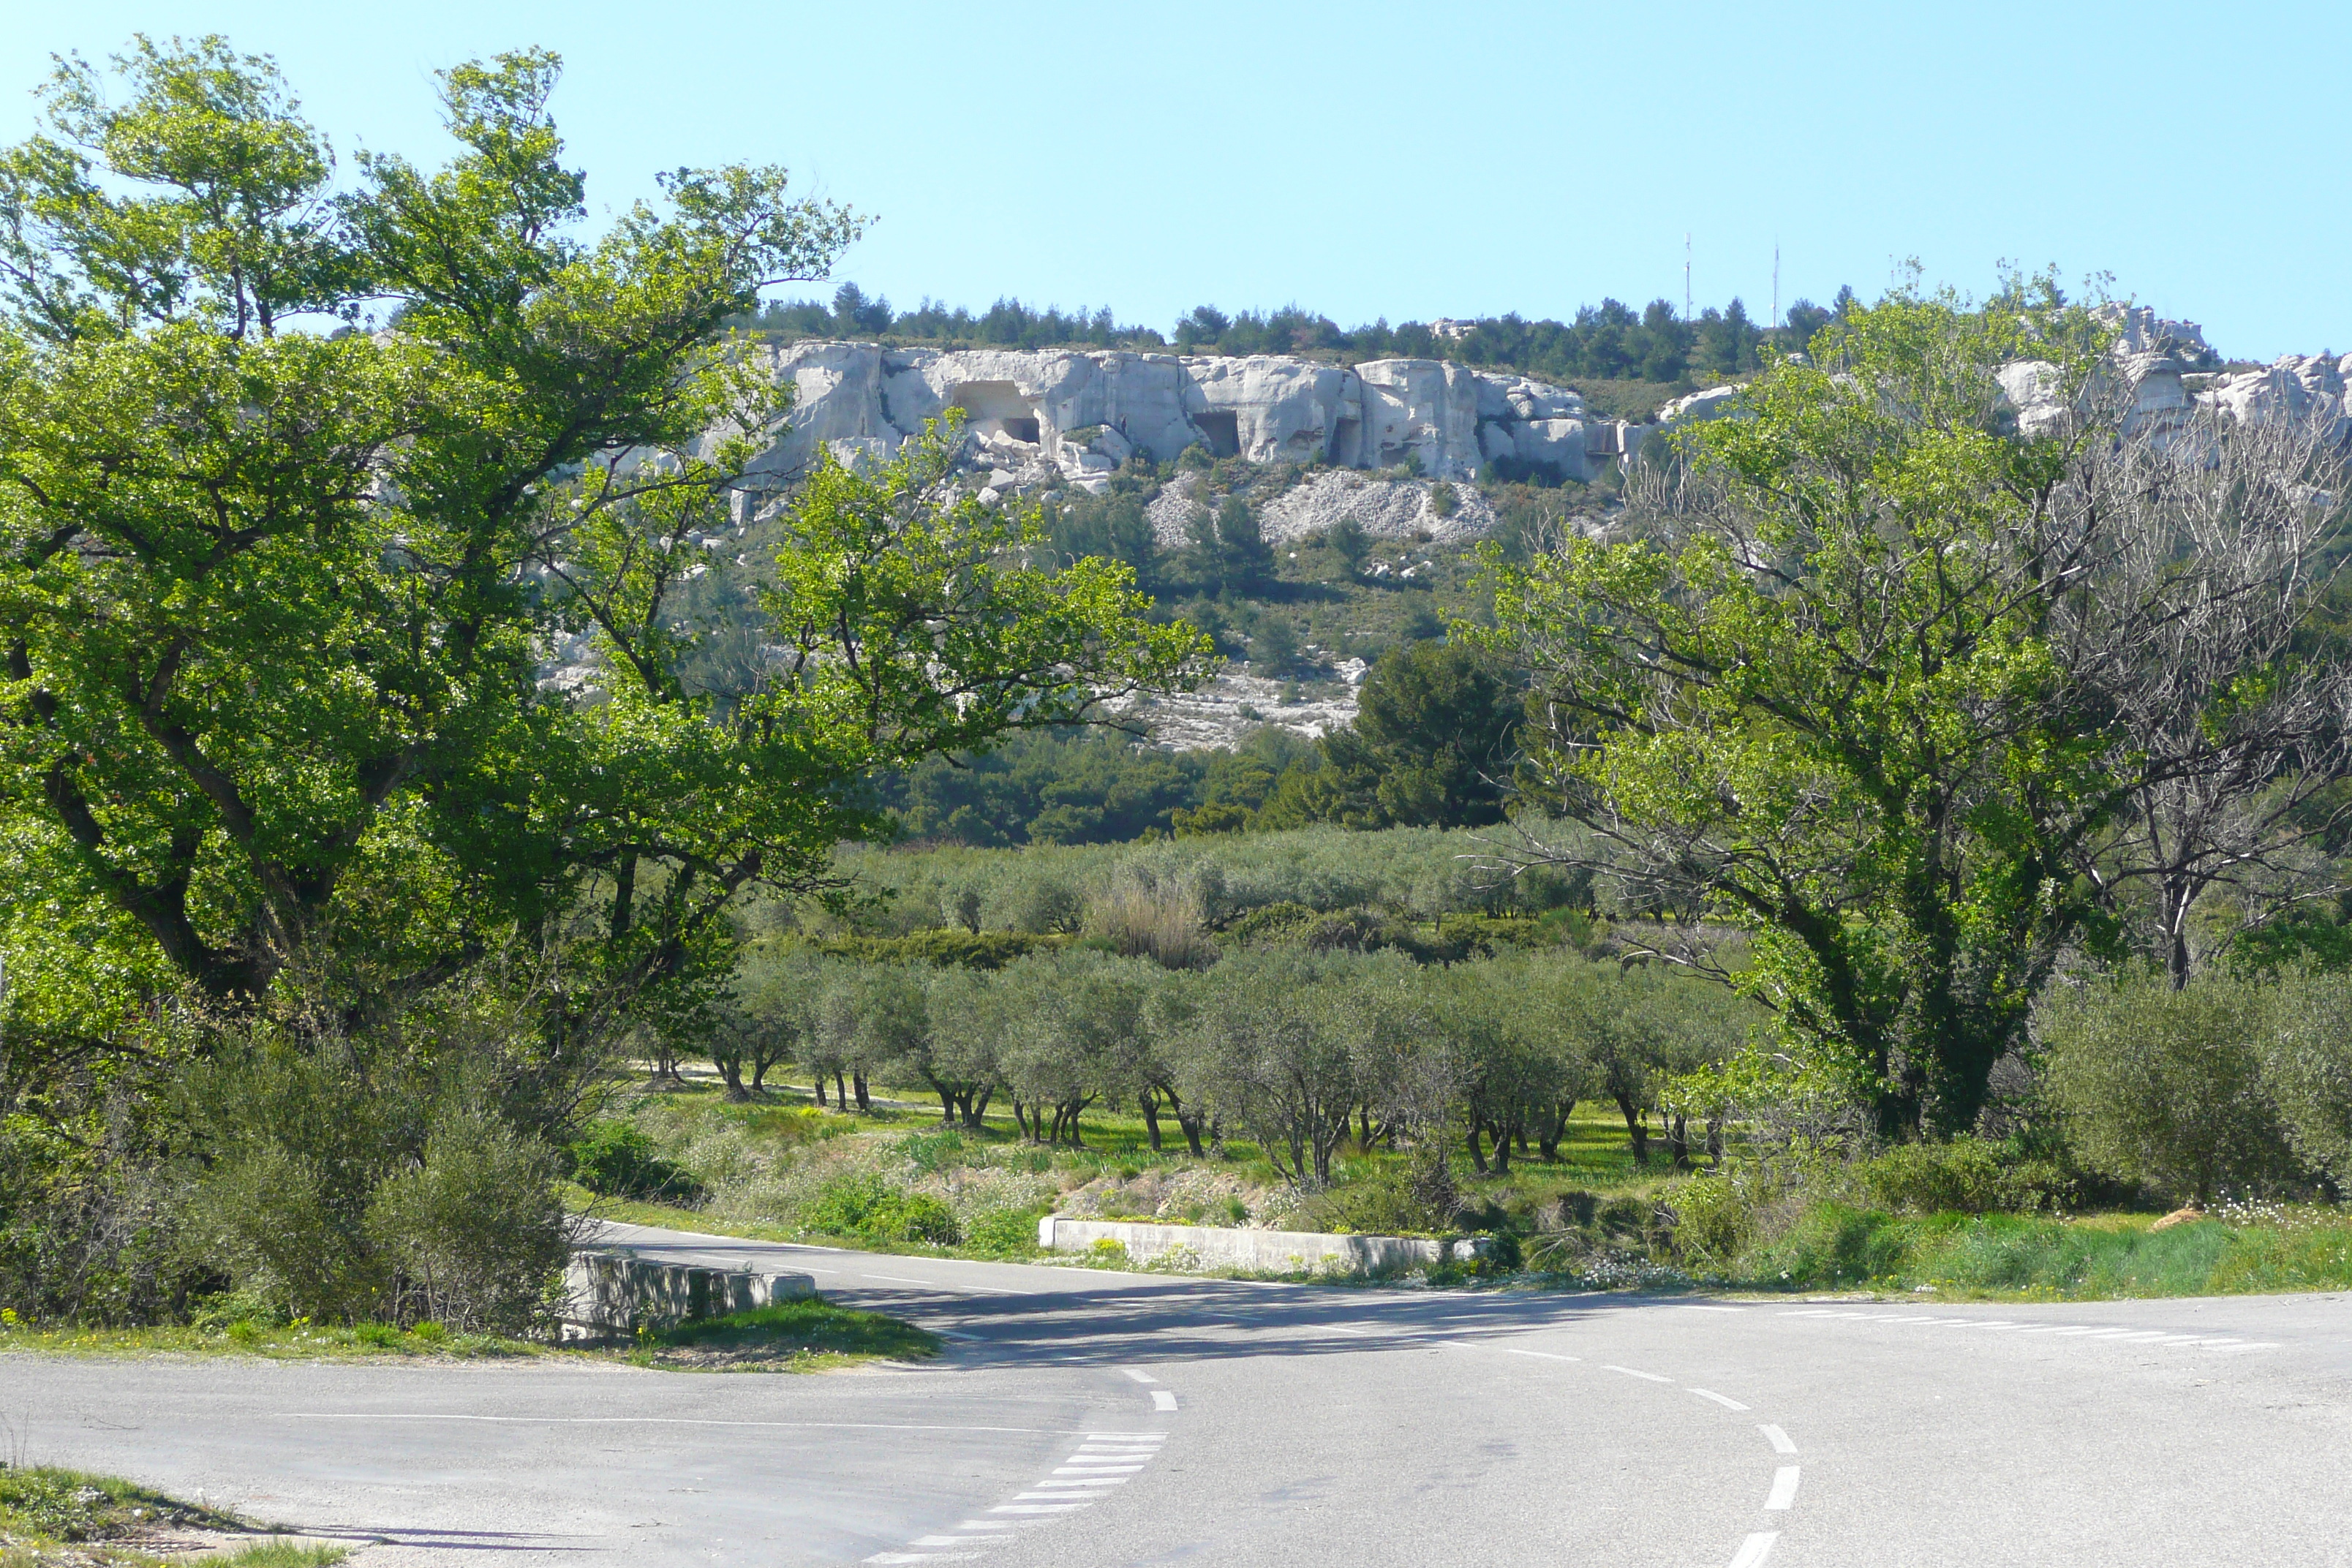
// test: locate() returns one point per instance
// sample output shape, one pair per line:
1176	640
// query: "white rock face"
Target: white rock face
860	400
1385	508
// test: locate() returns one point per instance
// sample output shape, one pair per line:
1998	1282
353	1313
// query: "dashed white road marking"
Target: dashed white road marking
1719	1399
1784	1488
1755	1550
1547	1355
894	1279
1162	1399
1628	1371
1778	1439
1694	1306
1138	1376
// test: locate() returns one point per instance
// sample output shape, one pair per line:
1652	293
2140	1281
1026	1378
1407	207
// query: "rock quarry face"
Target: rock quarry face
1032	413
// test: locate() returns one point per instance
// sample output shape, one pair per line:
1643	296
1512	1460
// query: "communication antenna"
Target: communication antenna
1776	285
1686	260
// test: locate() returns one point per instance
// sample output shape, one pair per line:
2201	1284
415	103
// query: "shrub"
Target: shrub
1004	1232
1965	1175
474	1231
2307	1068
867	1205
617	1160
2164	1087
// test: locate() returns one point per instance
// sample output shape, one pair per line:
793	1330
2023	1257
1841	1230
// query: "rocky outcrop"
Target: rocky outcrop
1035	414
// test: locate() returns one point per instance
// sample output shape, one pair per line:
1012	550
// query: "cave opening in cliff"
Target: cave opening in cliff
995	405
1223	426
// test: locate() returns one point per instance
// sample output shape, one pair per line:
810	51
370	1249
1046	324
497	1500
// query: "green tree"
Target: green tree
1821	690
1434	745
275	603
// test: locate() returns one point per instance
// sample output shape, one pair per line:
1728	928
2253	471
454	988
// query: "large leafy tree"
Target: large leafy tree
1825	684
304	483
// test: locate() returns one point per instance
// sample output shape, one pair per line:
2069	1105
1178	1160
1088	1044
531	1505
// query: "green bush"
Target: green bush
1004	1232
2307	1069
617	1160
2164	1087
1965	1175
474	1232
870	1207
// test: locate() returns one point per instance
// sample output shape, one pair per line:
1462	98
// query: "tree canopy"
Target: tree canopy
302	485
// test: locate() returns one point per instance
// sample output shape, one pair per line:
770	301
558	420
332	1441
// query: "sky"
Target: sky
1413	161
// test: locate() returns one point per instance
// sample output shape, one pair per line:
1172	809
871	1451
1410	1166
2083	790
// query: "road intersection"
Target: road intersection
1088	1417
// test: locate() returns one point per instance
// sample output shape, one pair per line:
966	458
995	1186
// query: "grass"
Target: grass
298	1341
798	1336
802	1336
53	1518
2033	1257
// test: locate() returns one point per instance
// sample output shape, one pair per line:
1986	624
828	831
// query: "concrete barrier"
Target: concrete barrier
1271	1251
610	1294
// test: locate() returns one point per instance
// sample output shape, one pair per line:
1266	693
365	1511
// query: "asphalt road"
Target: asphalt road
1087	1418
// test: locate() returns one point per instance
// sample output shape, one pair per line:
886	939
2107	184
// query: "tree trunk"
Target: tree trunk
863	1103
1678	1138
975	1112
1148	1103
732	1073
820	1089
1502	1134
840	1092
1636	1129
1477	1154
1190	1123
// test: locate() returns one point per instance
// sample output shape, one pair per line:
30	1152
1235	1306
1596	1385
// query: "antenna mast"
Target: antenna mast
1686	260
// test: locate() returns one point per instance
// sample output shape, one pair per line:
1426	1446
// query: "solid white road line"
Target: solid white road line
1628	1371
1784	1488
1547	1355
1138	1376
1755	1550
1162	1399
1694	1307
629	1421
1037	1507
1778	1439
1719	1399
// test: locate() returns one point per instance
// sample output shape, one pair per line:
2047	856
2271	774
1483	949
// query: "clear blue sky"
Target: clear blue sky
1418	160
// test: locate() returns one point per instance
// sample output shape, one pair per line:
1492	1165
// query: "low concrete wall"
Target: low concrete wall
612	1293
1274	1251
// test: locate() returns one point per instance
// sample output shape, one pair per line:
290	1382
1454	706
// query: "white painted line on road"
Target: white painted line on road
895	1279
1337	1329
1778	1439
1784	1488
629	1421
1719	1399
1755	1550
1694	1307
1120	1470
1547	1355
1038	1507
1138	1376
1047	1495
1139	1436
2143	1336
1162	1399
1628	1371
951	1540
923	1557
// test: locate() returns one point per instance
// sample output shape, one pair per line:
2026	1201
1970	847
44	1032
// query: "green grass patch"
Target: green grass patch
2014	1257
299	1340
797	1336
52	1518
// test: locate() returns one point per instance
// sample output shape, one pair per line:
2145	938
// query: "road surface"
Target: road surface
1085	1418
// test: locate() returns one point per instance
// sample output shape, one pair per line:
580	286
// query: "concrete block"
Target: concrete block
1273	1251
614	1293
